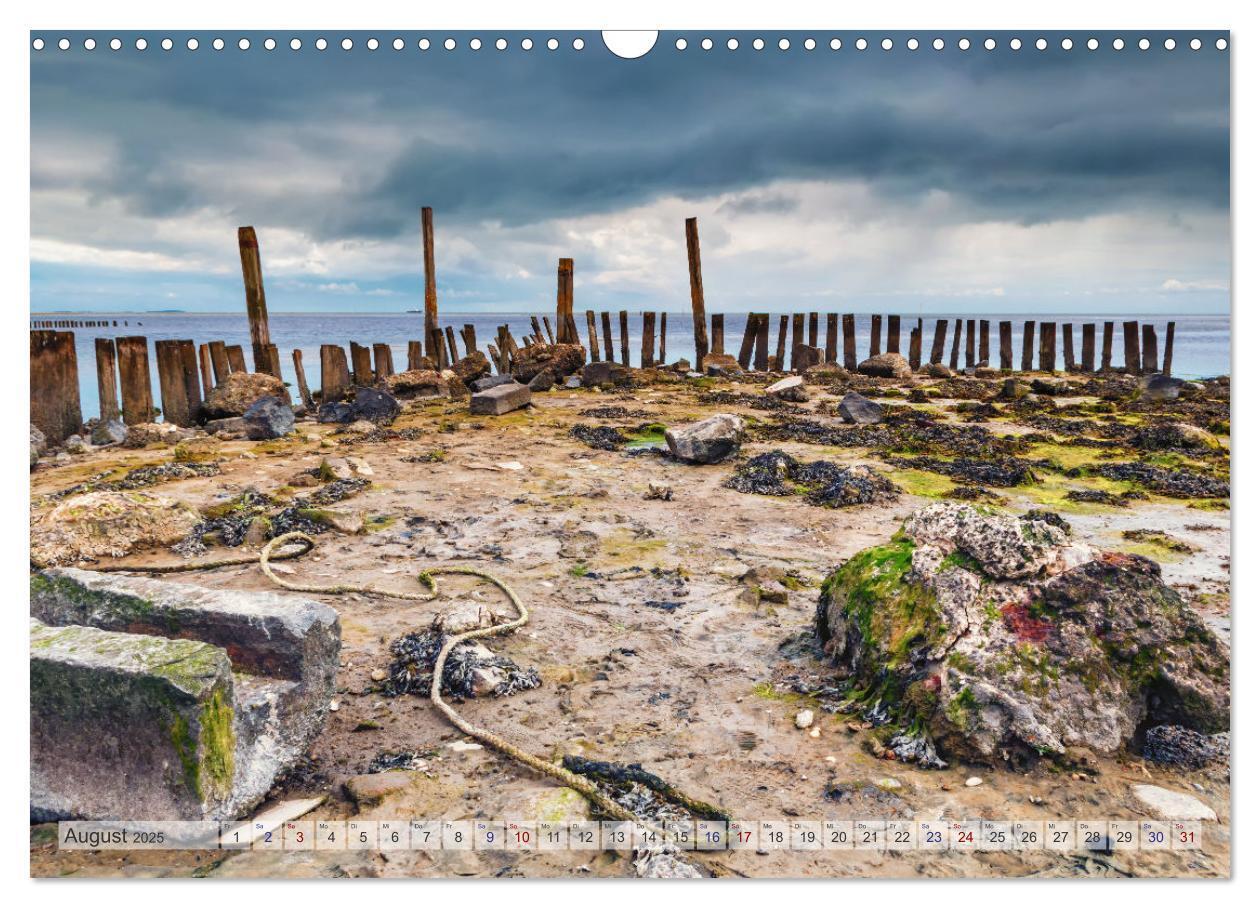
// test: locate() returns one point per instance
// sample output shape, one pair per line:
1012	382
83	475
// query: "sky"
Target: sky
913	181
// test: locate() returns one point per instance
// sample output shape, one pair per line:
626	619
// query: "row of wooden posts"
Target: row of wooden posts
188	372
74	323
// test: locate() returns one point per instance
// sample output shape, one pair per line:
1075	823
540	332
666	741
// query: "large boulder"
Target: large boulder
558	359
1157	388
708	441
722	365
855	408
606	374
236	393
143	434
109	432
886	365
472	367
936	370
268	417
107	525
375	406
974	634
791	388
415	383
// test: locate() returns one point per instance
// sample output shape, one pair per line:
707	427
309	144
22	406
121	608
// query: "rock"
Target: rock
1160	388
38	442
379	674
144	434
62	458
888	784
605	373
974	781
855	408
454	386
558	359
708	441
379	407
1051	387
467	616
826	374
76	445
109	432
993	633
1179	435
805	357
936	370
126	722
332	468
268	417
791	388
573	382
886	365
805	718
472	367
1172	745
359	427
682	366
231	425
257	532
490	381
107	525
720	365
349	523
500	399
236	393
415	383
1014	389
1172	805
543	381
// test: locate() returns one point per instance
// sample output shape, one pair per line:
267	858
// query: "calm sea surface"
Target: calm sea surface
1202	346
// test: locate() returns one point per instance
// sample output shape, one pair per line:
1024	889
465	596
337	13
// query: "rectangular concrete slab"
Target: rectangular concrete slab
500	399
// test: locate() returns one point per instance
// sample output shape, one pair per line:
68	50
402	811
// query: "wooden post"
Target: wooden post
1087	347
813	329
833	323
982	354
551	338
470	339
450	345
661	359
1108	330
134	382
850	341
916	346
1150	349
1006	355
176	407
415	350
649	337
54	387
717	343
894	334
746	345
971	343
1069	350
334	375
496	359
207	374
1132	355
593	335
538	335
564	301
606	323
780	349
1168	347
106	380
236	358
361	361
938	341
430	281
798	336
953	350
439	348
255	297
219	360
624	323
876	321
1046	360
697	291
303	388
1026	354
761	358
384	359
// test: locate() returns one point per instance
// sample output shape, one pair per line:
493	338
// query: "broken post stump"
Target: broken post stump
894	334
849	329
415	350
954	348
1026	354
761	354
649	340
219	360
938	341
1169	331
134	382
334	374
746	345
236	358
982	350
697	292
780	349
971	343
1108	332
916	345
1087	347
207	374
661	358
383	358
832	349
1150	350
106	378
1069	351
54	385
876	323
798	337
1047	359
813	329
1006	355
361	362
304	390
717	343
593	335
623	319
1132	354
564	301
605	321
255	298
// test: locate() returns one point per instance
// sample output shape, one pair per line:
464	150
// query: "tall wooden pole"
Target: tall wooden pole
697	291
430	282
255	297
564	302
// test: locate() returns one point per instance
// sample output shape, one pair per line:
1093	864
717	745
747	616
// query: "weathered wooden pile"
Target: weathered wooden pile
188	372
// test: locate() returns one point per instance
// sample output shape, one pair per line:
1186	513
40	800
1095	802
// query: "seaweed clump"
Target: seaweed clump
470	671
824	484
602	438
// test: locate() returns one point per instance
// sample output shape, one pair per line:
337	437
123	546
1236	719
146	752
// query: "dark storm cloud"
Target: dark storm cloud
520	138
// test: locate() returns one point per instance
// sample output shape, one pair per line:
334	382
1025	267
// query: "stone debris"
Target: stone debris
268	417
239	391
805	718
109	432
709	441
791	388
886	365
855	408
1171	805
371	404
167	700
107	524
500	399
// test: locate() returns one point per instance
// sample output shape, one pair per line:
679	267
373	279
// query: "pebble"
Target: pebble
887	784
815	732
805	718
333	706
974	781
379	674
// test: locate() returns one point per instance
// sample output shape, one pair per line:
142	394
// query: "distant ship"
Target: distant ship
415	311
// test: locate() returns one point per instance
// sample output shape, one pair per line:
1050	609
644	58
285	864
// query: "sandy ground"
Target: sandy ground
687	693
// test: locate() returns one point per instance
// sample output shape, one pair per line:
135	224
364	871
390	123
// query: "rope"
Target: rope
304	544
